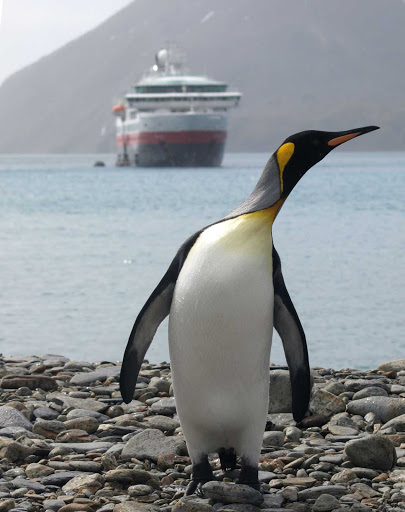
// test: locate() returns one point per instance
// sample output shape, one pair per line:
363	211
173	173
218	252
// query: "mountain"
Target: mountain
300	64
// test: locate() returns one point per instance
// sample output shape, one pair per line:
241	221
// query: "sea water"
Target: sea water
82	248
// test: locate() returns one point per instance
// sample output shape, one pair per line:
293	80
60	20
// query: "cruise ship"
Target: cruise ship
173	119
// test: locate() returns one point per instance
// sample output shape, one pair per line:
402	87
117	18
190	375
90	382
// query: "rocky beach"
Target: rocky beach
68	443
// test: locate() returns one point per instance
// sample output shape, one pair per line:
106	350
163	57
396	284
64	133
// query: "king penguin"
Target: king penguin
224	292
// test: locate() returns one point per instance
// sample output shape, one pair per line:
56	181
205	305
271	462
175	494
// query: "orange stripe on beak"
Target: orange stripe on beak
339	140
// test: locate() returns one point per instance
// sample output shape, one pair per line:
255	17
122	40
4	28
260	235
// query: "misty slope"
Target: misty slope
299	63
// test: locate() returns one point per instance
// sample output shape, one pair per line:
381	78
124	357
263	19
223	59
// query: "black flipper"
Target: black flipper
288	326
155	310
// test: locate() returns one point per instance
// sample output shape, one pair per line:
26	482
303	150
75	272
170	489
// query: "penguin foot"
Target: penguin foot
249	476
202	473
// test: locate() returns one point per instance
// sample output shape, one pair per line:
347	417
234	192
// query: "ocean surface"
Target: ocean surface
81	249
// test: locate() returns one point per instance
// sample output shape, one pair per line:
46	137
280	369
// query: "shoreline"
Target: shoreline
67	442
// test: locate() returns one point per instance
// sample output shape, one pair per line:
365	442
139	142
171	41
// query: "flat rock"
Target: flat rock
85	413
87	423
60	478
45	413
101	374
29	381
152	444
385	408
374	451
338	430
76	403
134	506
165	406
231	493
323	403
359	384
192	504
163	423
132	476
236	507
306	481
280	391
369	391
18	483
398	423
343	477
10	417
315	492
95	446
281	419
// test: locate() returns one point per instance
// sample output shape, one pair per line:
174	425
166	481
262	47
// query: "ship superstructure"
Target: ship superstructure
172	118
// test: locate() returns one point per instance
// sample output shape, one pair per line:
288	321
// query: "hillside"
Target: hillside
300	64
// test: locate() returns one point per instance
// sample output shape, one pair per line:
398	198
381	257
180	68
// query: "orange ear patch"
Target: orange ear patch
344	138
284	153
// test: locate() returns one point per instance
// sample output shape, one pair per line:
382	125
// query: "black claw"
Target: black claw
192	486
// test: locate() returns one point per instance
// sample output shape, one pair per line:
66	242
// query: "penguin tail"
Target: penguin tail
227	458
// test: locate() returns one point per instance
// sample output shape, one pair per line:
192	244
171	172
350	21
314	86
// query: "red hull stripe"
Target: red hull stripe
185	137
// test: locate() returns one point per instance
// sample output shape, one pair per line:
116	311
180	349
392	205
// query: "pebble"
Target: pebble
133	457
231	493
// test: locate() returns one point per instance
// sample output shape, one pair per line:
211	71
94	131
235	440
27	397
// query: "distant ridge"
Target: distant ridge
299	63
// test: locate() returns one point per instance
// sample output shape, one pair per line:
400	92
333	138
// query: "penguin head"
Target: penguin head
299	152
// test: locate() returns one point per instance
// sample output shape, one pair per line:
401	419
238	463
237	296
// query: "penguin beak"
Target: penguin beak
341	137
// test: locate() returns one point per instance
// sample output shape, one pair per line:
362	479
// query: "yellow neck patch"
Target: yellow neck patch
284	154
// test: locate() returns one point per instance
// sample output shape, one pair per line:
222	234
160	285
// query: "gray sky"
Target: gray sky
30	29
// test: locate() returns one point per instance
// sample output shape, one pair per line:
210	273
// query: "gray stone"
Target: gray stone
163	423
369	391
334	387
101	374
398	423
280	391
13	450
231	493
343	477
45	413
374	451
53	504
151	444
192	504
266	476
132	476
87	466
29	381
338	430
91	482
396	366
292	433
96	446
48	428
10	417
358	384
76	403
38	470
273	438
134	506
139	490
60	478
18	482
325	503
315	492
85	413
86	423
272	500
239	507
6	505
325	404
281	420
365	473
165	406
383	407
